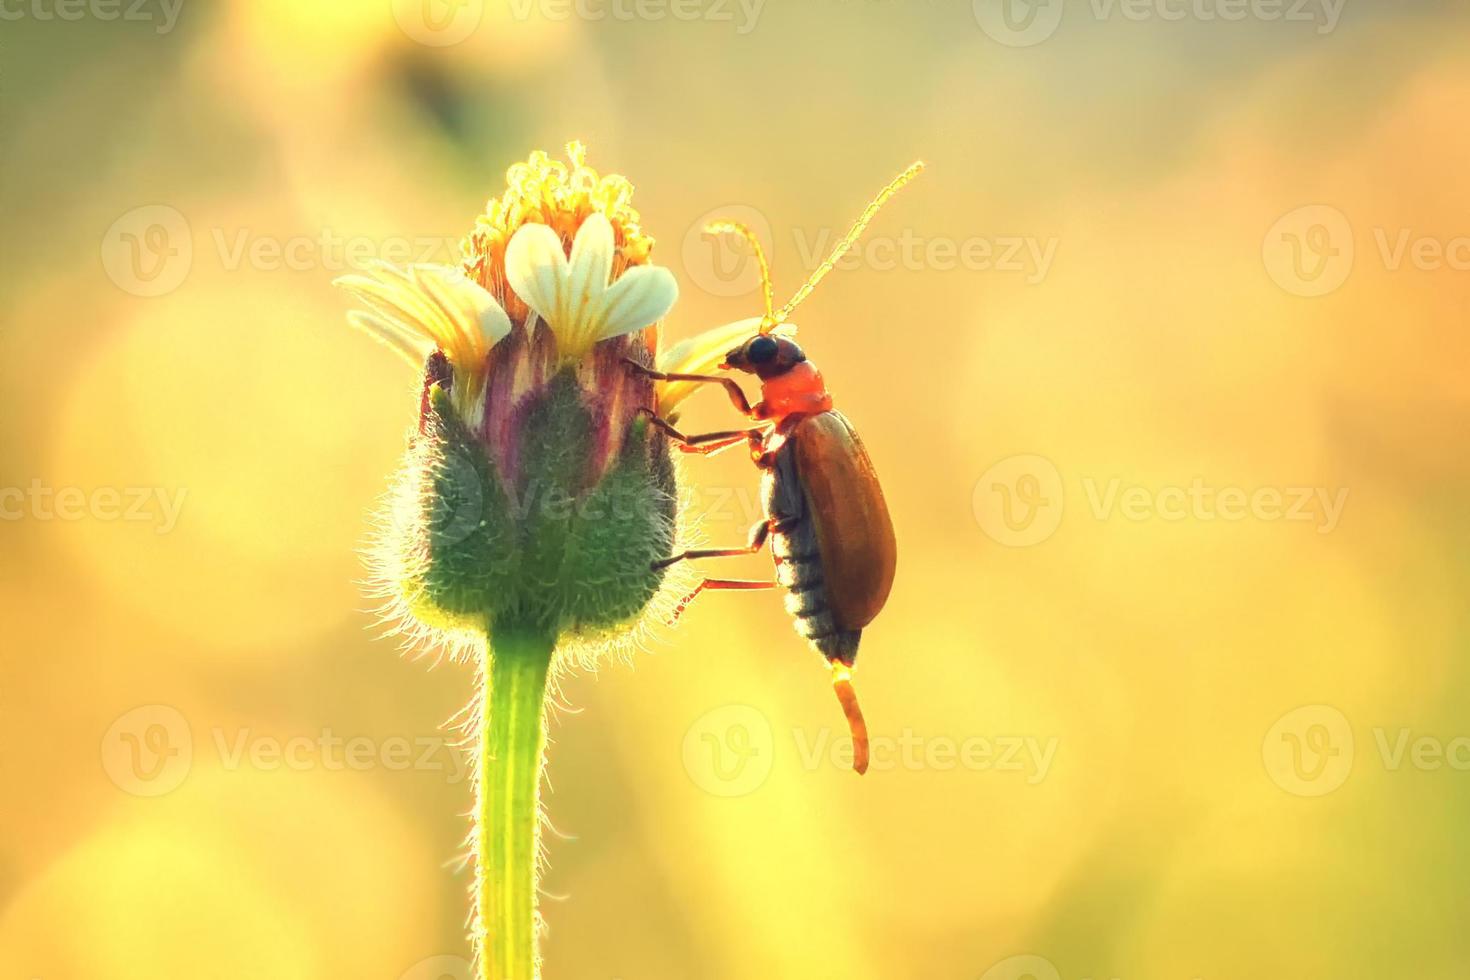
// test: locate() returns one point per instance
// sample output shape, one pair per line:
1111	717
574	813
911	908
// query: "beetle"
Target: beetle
826	521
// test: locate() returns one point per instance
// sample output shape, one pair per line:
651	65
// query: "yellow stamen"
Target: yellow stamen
549	192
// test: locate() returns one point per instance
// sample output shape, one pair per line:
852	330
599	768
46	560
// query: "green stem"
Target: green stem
508	806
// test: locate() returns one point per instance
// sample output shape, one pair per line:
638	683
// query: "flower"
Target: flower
526	342
428	307
535	498
573	295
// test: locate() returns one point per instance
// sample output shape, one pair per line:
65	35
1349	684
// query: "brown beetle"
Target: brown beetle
826	521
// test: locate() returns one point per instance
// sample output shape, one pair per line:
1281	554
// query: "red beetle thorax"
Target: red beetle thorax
798	391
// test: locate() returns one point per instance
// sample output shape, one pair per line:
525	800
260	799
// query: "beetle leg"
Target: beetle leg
758	535
708	443
717	585
736	393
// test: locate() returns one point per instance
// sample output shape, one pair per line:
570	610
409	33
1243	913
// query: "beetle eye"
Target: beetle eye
760	350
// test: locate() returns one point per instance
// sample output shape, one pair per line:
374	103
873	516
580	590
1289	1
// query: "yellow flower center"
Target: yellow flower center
549	192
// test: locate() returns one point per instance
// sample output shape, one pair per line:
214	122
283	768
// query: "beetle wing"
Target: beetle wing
846	506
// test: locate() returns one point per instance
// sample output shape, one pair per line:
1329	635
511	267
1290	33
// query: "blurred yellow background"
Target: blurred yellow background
1163	364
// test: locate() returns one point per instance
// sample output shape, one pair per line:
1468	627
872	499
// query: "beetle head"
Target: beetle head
764	356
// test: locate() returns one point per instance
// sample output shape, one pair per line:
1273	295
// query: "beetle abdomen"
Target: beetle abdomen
799	567
844	503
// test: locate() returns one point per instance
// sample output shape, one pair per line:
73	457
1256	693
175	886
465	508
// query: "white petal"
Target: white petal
702	354
494	324
699	354
536	268
641	296
413	348
390	294
590	267
467	302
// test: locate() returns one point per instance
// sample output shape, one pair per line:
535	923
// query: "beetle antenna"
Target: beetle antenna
847	697
769	321
894	186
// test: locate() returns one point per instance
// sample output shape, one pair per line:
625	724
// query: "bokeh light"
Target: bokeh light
1162	363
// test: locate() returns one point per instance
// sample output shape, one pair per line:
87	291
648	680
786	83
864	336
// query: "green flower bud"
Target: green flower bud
535	494
547	543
